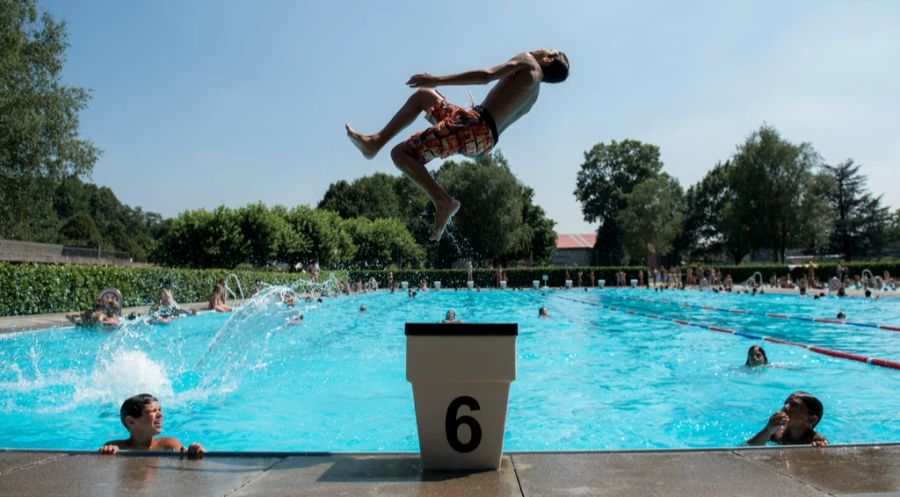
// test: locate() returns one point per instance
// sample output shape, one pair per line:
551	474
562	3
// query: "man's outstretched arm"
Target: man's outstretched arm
476	77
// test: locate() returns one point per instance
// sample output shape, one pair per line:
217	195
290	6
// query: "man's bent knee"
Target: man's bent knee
427	97
400	154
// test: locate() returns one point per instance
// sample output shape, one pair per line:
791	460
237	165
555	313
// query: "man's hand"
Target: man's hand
423	80
819	441
778	419
109	449
194	451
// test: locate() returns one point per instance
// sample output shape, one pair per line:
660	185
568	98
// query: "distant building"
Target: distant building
574	250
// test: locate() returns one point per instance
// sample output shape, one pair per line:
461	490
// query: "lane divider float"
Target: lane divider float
767	314
812	348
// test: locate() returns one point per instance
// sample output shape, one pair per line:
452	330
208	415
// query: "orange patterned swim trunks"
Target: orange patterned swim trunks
455	130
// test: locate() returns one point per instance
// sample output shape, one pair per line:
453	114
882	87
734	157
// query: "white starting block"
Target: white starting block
460	374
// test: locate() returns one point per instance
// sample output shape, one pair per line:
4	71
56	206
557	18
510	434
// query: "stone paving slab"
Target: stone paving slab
838	471
670	474
376	476
101	476
14	461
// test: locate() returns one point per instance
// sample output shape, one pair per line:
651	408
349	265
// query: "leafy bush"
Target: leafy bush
48	288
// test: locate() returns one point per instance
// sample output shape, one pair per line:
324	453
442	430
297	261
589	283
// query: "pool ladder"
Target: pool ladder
228	289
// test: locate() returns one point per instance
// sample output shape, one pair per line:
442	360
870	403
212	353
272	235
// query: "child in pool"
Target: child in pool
142	417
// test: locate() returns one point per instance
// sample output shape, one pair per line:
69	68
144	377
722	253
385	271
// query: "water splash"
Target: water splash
123	374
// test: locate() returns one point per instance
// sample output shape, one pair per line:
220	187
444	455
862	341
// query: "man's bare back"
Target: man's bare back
471	132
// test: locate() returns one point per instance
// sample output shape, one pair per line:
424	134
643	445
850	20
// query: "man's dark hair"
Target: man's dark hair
557	70
813	405
134	406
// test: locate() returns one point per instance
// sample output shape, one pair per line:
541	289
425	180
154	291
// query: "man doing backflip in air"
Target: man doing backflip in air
455	130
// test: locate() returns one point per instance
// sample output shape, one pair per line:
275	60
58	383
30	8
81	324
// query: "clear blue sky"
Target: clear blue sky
202	103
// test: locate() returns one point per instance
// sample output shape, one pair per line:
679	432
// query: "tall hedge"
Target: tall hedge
48	288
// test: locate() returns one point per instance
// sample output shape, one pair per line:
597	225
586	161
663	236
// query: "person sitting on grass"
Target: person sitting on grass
756	356
143	418
794	424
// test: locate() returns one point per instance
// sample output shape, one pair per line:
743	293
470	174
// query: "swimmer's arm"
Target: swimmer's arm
760	438
476	77
765	435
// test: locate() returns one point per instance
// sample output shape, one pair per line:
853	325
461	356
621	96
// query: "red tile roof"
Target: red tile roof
575	241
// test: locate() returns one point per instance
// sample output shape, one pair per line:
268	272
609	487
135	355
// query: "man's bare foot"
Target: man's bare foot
365	143
442	215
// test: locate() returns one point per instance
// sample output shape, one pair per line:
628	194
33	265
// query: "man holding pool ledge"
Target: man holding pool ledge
455	130
794	424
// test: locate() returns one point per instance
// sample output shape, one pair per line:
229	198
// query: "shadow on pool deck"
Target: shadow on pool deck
794	471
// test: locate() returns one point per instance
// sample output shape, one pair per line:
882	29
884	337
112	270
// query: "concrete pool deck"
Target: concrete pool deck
852	470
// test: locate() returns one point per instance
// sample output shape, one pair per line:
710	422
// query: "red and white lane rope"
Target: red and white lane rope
766	314
812	348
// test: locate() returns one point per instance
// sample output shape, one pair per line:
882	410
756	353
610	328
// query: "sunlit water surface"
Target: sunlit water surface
588	378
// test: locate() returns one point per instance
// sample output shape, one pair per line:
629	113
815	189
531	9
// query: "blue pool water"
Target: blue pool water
589	378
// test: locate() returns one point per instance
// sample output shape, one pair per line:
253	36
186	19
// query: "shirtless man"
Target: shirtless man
470	132
794	424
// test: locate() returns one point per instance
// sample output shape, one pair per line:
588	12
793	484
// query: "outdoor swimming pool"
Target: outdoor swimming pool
589	377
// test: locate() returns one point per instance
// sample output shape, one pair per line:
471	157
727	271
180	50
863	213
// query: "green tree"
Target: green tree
702	234
770	179
372	196
489	226
892	235
329	244
382	243
610	172
203	239
38	121
267	232
80	231
121	227
653	214
860	221
539	241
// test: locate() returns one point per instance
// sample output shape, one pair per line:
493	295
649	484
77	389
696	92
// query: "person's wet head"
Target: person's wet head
756	356
450	317
543	312
141	414
803	410
841	315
